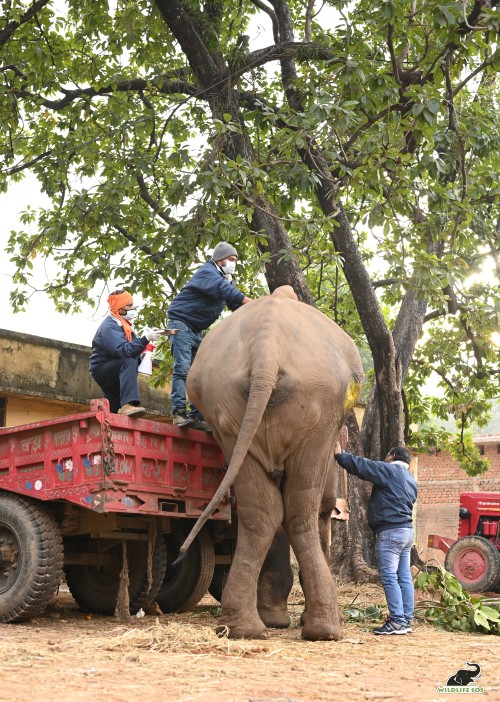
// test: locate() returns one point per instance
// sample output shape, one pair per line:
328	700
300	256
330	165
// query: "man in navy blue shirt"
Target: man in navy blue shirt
194	309
390	511
116	352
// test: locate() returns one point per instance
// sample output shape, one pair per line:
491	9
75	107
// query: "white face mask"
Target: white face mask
230	267
130	316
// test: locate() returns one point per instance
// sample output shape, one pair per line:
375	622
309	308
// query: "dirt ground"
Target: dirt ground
70	656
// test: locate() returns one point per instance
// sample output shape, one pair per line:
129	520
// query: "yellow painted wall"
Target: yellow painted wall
24	410
44	378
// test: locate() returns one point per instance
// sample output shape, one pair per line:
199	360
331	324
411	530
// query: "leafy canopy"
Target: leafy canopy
157	129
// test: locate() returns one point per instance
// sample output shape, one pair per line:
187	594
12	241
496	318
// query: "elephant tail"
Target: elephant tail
263	380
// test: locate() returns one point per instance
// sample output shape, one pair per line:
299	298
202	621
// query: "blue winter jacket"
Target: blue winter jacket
110	343
202	299
394	490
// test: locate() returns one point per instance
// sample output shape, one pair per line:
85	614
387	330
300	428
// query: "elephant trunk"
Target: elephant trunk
263	380
476	666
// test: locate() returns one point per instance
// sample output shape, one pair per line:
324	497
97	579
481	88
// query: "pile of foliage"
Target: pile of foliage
456	609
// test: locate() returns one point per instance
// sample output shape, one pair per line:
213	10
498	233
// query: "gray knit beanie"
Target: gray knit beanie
223	250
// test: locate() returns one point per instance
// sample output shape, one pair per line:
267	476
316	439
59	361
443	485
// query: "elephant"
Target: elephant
464	676
274	381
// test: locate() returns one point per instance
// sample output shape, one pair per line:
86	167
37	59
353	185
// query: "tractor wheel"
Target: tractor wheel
188	581
96	589
222	548
475	562
31	558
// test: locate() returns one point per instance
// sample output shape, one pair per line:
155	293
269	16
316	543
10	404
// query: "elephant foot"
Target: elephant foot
238	625
275	617
321	631
303	617
241	632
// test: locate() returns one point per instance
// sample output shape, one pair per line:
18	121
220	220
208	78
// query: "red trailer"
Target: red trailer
80	493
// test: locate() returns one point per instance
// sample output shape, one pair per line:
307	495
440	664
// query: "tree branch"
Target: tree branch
474	73
27	164
265	8
133	85
395	67
156	256
11	27
153	204
385	281
470	21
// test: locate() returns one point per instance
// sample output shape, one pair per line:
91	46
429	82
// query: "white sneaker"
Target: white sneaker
132	411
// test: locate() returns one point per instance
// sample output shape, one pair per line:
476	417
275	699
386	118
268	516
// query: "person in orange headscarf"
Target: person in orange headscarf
115	356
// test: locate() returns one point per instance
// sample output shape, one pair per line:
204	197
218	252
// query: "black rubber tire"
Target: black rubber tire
222	548
32	558
187	582
96	590
475	562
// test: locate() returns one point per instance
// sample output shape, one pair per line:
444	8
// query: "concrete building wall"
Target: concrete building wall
43	378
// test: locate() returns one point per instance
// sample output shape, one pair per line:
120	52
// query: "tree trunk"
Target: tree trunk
213	75
383	425
352	540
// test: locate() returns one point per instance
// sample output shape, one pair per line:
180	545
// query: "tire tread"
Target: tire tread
48	571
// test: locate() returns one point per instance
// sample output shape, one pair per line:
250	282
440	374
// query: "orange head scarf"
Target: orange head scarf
116	302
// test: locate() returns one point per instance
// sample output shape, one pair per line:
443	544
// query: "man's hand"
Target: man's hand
153	334
245	300
338	448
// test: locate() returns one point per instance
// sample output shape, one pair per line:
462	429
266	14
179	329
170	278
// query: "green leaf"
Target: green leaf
481	620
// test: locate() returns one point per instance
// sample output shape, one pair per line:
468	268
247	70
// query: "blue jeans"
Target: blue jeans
183	346
392	549
118	381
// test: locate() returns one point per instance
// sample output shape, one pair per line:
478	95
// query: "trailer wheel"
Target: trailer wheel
186	583
222	548
475	562
31	558
96	589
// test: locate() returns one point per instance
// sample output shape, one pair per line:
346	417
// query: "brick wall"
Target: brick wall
440	482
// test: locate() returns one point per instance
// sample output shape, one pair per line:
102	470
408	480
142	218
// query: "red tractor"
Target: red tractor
474	558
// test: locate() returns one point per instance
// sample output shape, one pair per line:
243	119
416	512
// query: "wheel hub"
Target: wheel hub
9	559
471	565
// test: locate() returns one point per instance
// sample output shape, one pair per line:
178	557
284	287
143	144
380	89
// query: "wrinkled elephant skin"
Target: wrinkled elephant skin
274	381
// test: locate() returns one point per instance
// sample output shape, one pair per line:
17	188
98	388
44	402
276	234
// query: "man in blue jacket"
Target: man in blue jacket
116	351
194	309
390	511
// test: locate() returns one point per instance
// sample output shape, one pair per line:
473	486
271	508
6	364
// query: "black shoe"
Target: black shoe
201	425
391	628
182	420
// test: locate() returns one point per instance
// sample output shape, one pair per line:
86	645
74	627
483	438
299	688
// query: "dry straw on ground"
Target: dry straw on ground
174	637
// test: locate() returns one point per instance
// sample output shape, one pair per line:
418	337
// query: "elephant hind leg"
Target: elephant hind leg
260	513
275	583
303	493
